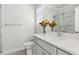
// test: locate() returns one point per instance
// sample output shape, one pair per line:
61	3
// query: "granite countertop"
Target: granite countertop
67	41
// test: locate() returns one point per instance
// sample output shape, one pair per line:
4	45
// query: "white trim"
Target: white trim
12	51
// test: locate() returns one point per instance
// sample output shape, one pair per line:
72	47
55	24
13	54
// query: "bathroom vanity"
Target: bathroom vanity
52	44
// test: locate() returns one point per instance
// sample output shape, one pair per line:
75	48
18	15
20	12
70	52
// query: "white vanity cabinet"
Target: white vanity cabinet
37	50
41	47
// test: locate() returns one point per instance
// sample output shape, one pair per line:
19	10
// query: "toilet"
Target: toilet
28	47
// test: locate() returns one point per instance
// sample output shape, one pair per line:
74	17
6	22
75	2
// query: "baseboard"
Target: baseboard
13	51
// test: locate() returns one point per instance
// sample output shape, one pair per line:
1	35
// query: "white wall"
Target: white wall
17	25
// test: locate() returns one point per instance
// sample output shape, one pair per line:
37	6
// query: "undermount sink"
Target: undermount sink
57	39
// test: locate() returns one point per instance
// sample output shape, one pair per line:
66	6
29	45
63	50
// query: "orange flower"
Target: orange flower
52	24
44	22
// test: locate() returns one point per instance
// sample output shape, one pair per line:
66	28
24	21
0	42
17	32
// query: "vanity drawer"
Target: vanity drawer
60	52
37	50
51	49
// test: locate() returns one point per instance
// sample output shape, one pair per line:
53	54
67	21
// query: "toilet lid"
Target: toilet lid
28	43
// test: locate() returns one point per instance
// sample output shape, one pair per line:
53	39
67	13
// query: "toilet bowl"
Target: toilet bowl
28	47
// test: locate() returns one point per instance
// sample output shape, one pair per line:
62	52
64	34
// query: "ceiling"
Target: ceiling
58	5
53	5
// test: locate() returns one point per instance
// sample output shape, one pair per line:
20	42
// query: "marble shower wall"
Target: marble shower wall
67	18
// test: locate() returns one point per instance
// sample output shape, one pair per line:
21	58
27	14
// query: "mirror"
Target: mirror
64	14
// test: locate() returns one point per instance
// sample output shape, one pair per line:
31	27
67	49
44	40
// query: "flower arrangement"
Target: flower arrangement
52	24
44	23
